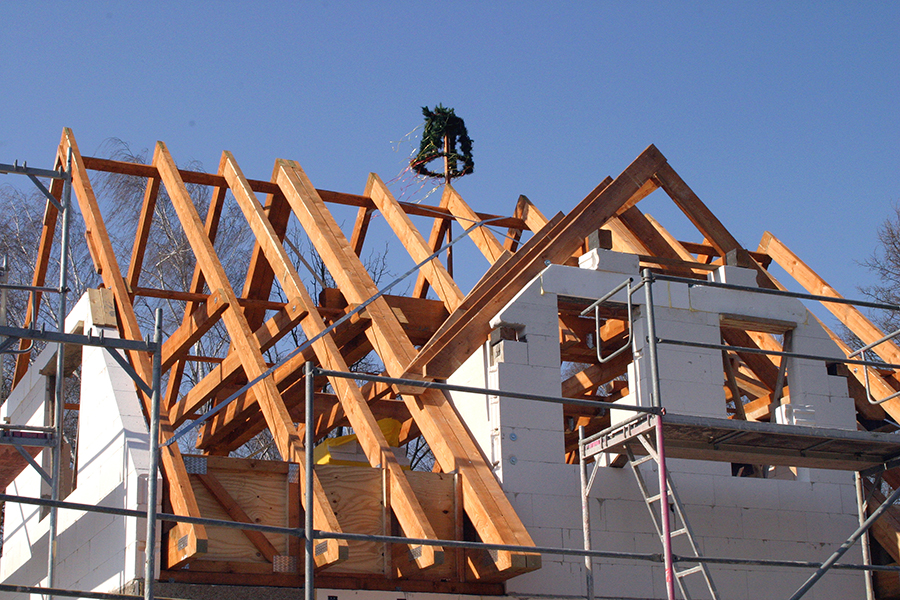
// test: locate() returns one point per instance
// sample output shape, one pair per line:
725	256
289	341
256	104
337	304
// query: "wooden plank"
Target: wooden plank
849	315
213	214
482	236
487	507
258	284
143	232
180	492
534	219
277	417
407	508
360	228
439	231
356	494
415	244
268	187
469	326
234	510
265	337
189	333
697	212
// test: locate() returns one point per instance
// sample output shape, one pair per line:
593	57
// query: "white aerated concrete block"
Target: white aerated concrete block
543	350
734	276
508	351
611	262
738	302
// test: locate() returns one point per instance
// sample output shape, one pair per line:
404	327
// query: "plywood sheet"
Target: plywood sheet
262	493
356	497
437	494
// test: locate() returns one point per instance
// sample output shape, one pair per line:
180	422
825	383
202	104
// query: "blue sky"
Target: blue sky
780	115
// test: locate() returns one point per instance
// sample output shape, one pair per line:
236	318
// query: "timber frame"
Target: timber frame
414	338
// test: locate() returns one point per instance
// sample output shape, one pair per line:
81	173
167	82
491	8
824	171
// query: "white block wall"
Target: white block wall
95	551
732	517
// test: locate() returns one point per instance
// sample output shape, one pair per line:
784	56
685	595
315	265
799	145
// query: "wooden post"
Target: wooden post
449	222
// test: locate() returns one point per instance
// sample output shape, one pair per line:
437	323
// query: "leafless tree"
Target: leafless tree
885	263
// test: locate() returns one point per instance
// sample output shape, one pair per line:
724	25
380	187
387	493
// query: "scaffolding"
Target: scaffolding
412	370
656	436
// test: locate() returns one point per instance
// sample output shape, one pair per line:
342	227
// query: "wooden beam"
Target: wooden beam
587	381
534	219
409	512
277	417
881	387
424	318
622	238
439	229
469	325
694	209
265	337
42	262
350	338
181	494
268	187
415	244
143	232
258	284
886	529
849	315
234	510
190	332
199	298
482	236
656	243
213	214
483	499
360	228
645	190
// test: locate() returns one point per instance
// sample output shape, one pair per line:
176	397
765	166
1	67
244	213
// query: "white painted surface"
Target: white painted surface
732	517
95	551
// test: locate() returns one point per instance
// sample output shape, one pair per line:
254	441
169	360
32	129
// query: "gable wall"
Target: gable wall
802	519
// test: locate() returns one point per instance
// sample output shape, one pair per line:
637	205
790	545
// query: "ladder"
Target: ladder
679	527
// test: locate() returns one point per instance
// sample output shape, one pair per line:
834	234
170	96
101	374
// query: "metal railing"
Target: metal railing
648	278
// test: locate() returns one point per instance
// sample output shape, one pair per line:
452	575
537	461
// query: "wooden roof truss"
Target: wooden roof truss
414	337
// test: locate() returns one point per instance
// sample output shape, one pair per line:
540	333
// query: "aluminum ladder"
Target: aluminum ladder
680	527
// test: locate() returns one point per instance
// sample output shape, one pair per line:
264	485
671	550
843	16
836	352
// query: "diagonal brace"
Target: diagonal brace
123	362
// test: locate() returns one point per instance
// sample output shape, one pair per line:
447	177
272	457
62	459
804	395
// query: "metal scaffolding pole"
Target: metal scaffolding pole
864	527
309	564
647	280
665	521
861	503
59	396
152	484
585	516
